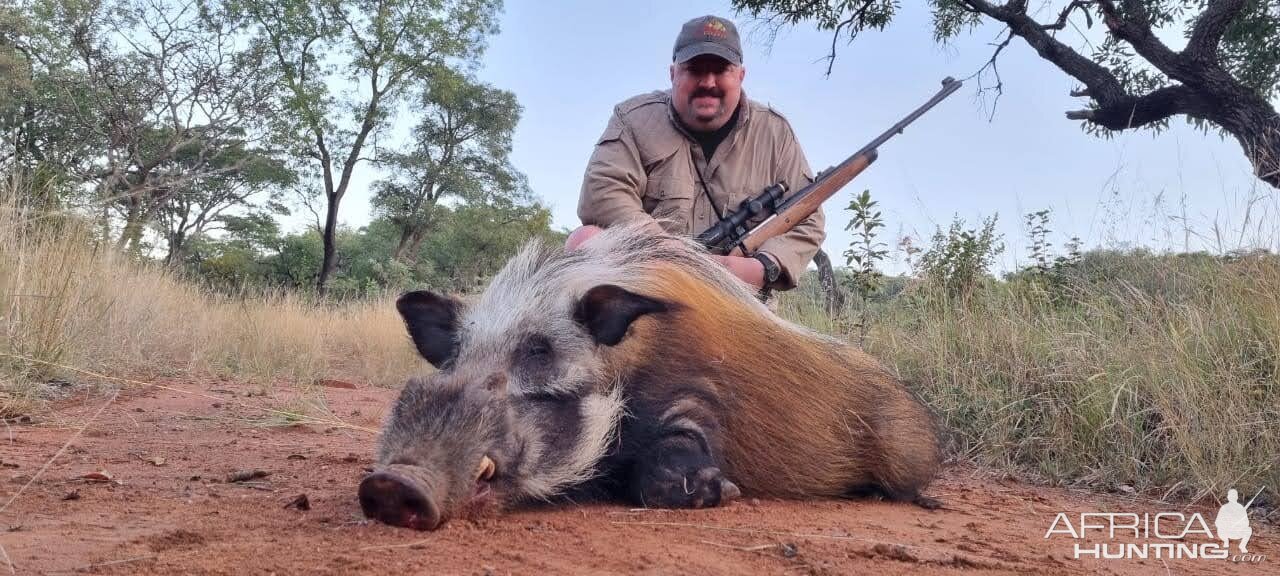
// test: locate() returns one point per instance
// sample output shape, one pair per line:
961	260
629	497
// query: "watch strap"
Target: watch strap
771	269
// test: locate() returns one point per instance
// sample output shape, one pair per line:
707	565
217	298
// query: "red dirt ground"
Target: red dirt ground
169	508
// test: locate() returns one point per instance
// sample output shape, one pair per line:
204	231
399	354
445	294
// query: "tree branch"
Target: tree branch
1208	30
363	46
1101	83
1133	112
831	58
1066	12
1133	26
991	63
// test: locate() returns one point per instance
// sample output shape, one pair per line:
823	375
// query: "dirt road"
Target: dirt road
146	489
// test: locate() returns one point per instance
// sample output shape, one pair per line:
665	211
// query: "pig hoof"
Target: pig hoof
729	491
691	488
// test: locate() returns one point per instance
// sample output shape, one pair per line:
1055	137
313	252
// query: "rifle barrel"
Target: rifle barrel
949	85
1255	497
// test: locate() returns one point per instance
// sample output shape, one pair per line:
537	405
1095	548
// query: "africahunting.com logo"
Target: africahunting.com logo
1163	535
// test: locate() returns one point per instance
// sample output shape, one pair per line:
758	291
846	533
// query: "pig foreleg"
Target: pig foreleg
674	463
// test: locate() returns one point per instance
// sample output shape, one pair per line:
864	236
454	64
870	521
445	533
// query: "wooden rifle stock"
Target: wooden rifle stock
731	236
805	205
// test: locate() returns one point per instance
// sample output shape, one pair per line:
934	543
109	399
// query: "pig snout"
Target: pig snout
400	498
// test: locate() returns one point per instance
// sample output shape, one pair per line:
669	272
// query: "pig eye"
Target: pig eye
535	352
537	347
534	362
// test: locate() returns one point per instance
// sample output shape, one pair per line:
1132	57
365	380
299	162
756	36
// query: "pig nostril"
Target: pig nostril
396	500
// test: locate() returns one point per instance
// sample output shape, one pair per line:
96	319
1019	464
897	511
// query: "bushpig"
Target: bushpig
635	367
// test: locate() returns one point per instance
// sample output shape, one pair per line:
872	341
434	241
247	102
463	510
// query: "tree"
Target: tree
472	242
1224	76
44	95
204	203
460	149
375	50
167	93
15	88
20	75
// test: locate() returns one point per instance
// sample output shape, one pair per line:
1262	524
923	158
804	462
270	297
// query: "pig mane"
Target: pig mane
544	277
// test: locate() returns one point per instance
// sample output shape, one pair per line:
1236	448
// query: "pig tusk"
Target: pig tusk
487	469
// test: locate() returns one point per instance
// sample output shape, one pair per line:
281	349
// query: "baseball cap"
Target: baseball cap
708	35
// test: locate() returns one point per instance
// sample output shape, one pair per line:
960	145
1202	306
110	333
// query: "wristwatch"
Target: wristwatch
771	269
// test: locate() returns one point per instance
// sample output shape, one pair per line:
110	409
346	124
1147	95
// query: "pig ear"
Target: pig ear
607	311
432	321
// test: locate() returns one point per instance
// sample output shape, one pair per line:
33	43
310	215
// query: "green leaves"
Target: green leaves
1038	231
864	251
378	47
960	258
460	150
191	117
1250	49
376	50
951	18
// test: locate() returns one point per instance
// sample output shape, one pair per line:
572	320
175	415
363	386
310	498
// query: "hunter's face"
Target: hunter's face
705	91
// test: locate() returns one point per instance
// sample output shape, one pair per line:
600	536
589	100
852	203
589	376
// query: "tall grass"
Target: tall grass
1127	369
69	299
1155	372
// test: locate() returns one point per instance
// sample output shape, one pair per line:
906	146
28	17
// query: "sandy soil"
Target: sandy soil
167	505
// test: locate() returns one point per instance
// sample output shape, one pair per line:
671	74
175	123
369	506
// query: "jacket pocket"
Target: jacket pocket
672	199
669	188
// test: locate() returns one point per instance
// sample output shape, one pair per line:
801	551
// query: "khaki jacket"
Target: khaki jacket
646	166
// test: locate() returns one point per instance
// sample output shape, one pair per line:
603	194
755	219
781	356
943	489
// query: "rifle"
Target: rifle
730	236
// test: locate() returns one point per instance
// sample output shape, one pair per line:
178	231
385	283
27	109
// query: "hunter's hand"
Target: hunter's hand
749	270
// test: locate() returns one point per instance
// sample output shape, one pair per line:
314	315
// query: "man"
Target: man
1233	522
683	158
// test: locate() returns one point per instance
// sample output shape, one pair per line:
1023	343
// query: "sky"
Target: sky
570	62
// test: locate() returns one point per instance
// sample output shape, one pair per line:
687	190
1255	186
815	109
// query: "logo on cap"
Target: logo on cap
715	29
707	35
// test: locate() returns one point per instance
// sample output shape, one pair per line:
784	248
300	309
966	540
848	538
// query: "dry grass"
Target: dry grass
1157	372
70	299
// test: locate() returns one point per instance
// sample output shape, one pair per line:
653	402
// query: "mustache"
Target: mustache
711	92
